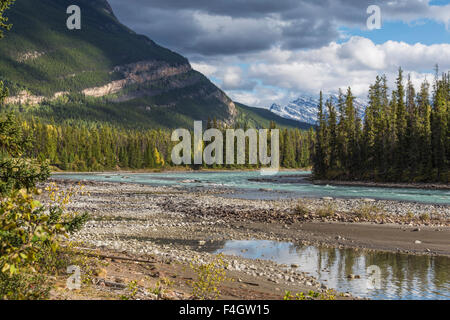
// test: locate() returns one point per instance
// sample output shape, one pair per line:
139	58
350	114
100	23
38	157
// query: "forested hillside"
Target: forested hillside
41	55
100	71
103	73
405	135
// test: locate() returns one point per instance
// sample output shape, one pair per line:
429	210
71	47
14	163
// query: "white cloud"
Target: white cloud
207	69
260	96
284	74
364	52
230	27
416	10
417	56
232	78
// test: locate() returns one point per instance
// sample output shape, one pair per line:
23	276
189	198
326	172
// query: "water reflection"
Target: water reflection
402	276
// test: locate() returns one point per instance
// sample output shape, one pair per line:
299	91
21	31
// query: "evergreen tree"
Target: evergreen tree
424	129
332	134
320	164
4	25
288	150
400	125
412	130
440	127
404	138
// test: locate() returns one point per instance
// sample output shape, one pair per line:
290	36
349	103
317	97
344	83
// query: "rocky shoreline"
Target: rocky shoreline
429	186
295	178
179	225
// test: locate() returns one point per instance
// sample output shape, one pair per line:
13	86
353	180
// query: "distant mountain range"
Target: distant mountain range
305	108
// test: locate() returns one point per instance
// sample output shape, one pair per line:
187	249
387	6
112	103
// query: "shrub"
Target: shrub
301	209
366	211
326	211
209	277
30	238
17	172
25	285
132	291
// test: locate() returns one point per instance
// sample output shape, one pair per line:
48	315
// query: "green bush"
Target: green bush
30	237
21	286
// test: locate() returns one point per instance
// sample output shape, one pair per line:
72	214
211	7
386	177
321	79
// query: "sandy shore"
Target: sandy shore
175	225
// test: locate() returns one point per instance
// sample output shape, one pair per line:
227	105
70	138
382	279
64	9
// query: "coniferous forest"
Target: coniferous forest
85	146
404	136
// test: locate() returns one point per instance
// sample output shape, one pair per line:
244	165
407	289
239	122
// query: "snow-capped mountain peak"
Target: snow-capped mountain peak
305	108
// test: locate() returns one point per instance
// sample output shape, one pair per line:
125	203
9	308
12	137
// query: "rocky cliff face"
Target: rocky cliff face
138	73
147	74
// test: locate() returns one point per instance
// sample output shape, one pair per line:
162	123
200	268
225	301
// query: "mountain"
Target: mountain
104	72
261	118
305	108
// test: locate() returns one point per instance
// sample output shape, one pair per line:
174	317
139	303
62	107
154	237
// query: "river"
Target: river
239	181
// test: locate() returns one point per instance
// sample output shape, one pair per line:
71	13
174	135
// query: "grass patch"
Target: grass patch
301	209
311	295
369	212
326	211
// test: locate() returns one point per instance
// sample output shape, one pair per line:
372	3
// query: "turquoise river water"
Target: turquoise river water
240	180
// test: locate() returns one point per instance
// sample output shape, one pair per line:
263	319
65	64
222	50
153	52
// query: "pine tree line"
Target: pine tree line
83	146
404	136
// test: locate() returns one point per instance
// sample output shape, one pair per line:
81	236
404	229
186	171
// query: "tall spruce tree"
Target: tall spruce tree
332	134
424	129
440	127
401	126
320	147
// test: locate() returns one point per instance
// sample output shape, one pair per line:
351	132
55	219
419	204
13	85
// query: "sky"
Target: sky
262	52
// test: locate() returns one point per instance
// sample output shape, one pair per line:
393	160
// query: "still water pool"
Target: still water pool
405	277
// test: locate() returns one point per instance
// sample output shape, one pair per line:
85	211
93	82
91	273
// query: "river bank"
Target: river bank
410	185
179	224
295	179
